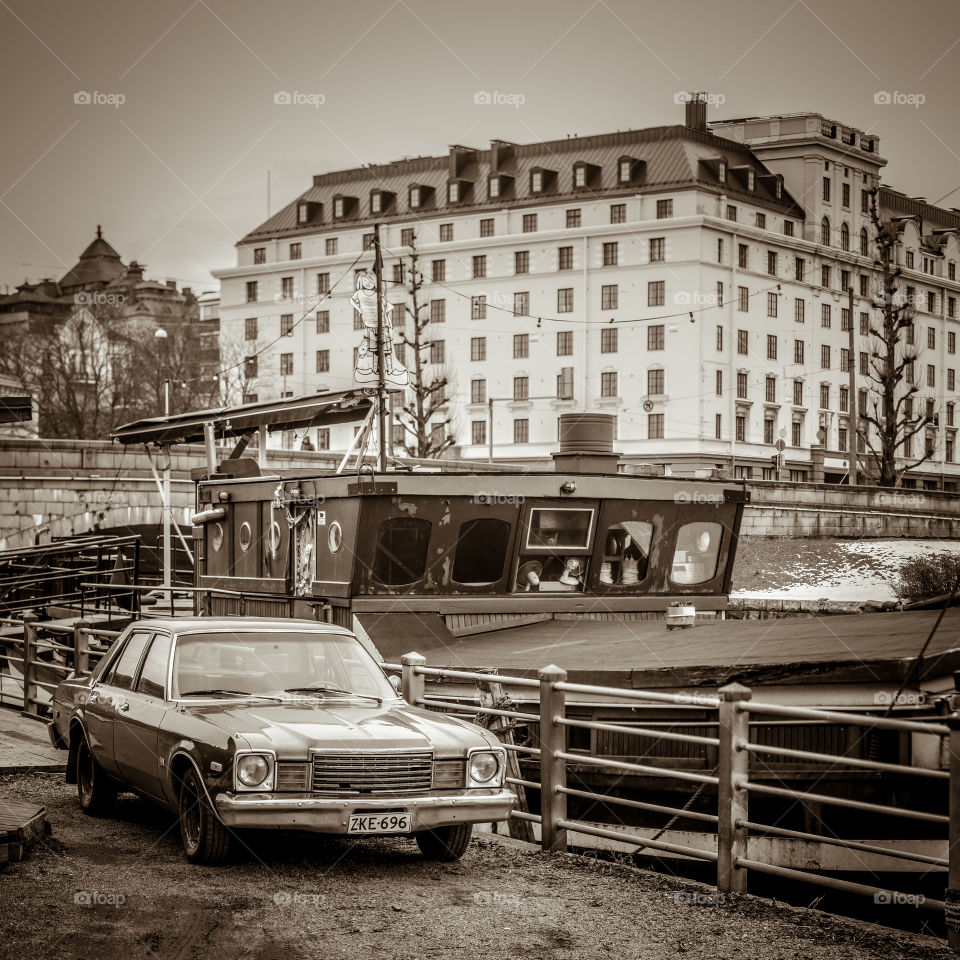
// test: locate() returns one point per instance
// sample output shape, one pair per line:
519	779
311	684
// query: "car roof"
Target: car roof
238	624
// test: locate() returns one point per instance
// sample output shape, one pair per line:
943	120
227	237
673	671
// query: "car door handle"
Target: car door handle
123	706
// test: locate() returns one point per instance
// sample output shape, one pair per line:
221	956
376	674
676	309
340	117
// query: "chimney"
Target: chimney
172	284
586	443
695	112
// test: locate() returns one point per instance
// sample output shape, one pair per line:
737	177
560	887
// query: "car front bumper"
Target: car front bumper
332	815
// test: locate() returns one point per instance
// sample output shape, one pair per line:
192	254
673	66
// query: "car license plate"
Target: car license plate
380	823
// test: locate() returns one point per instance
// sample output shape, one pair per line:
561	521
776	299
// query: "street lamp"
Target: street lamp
160	335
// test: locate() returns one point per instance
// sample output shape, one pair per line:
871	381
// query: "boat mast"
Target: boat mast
381	374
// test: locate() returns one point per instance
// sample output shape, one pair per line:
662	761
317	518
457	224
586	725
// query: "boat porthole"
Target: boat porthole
217	538
335	537
246	536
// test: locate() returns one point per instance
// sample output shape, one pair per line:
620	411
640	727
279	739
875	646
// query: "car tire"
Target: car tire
96	791
205	839
445	843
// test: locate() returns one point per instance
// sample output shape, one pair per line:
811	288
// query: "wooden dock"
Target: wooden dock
25	746
21	826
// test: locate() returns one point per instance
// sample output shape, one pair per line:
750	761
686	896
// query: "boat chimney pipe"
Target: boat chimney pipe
586	443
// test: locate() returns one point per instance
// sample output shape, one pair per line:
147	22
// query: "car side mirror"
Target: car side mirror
396	683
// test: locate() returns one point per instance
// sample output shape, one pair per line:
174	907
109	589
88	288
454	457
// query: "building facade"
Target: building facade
690	279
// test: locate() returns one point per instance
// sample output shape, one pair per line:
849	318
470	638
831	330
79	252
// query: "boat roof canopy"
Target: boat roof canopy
290	413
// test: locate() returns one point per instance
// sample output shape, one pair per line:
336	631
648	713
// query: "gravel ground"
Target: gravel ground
301	896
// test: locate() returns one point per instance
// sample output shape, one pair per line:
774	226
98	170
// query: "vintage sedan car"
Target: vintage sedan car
278	724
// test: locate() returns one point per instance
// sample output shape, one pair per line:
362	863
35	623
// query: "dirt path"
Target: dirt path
120	888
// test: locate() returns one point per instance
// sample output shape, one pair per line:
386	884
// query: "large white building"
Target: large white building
688	278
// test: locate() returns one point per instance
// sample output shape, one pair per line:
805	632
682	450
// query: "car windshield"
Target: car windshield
271	662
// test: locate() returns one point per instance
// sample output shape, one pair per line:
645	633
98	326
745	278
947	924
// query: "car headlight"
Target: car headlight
484	767
253	769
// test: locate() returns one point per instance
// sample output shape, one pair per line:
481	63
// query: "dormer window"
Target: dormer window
625	170
338	208
493	188
414	199
453	192
579	175
307	210
536	181
722	171
751	180
375	202
585	175
419	196
542	180
381	201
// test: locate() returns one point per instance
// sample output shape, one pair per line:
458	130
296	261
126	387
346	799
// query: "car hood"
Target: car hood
291	730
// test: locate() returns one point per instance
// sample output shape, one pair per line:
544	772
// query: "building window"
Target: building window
609	296
250	328
565	258
825	233
521	388
479	267
741	427
843	399
761	221
826	189
844	360
771	346
521	431
826	315
368	241
521	304
398	272
720	250
864	324
446	232
438	351
845	321
323	283
731	212
788	228
608	340
910	259
656	293
796	433
573	217
931	302
798	393
529	223
521	262
743	298
565	384
798	351
719	338
438	271
931	375
931	338
771	304
295	249
251	397
824	357
719	293
478	431
323	361
478	307
286	364
770	389
478	348
655	426
486	227
608	383
565	300
825	276
951	378
951	342
251	291
655	383
478	391
769	425
742	342
565	343
610	254
658	246
664	209
844	237
742	255
618	212
844	280
718	426
259	255
406	237
438	311
323	321
655	336
521	346
741	385
286	325
718	383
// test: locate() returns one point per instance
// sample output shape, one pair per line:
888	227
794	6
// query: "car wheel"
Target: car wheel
205	839
445	843
96	792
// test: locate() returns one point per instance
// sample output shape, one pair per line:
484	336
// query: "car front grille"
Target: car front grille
372	774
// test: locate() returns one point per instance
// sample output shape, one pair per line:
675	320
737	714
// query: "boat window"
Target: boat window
626	553
698	547
402	545
128	661
481	551
559	527
553	574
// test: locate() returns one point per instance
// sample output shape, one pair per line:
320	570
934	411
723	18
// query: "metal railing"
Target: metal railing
731	777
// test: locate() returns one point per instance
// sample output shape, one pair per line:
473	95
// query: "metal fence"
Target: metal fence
736	718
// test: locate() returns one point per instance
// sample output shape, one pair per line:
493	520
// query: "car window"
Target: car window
153	673
123	673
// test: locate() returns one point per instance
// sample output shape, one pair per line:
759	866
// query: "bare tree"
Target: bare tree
888	423
425	415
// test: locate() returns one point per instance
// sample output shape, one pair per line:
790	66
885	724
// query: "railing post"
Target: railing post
952	897
553	769
732	801
29	658
412	686
81	648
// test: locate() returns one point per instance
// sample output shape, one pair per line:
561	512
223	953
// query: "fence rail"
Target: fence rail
737	716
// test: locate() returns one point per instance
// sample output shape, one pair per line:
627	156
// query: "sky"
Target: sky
160	121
